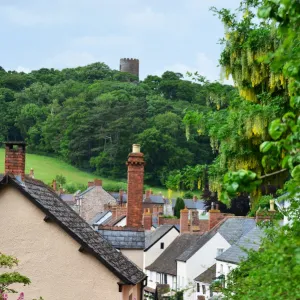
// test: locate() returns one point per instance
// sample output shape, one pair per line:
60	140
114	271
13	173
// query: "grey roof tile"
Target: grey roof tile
124	239
208	275
249	241
191	204
55	208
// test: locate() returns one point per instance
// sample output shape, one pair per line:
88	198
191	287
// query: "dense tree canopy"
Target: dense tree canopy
90	116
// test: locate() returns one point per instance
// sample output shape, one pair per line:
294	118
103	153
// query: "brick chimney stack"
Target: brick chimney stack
135	180
215	216
97	182
147	219
54	185
15	158
184	220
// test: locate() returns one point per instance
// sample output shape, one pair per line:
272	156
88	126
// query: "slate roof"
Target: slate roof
68	198
124	239
191	204
87	190
117	197
166	262
232	229
113	221
153	236
208	275
235	253
155	199
91	241
98	217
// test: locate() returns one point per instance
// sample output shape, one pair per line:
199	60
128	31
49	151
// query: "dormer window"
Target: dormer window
162	245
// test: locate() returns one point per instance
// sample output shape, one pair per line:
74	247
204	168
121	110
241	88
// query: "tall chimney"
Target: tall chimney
15	158
54	185
184	220
135	181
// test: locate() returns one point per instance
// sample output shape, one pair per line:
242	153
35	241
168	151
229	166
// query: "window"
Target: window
162	245
157	277
229	269
198	287
204	289
221	269
174	283
165	278
220	251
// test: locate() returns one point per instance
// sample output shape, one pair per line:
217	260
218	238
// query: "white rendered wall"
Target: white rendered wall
154	252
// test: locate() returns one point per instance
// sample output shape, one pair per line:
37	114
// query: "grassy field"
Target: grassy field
46	168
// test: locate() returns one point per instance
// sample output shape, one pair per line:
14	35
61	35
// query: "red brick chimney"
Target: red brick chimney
215	216
15	158
147	219
121	194
97	182
184	220
91	183
263	215
135	181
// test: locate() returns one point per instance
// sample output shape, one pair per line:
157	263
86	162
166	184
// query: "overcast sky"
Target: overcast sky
177	35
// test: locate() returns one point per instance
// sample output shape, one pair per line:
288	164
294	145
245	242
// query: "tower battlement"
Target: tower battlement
130	65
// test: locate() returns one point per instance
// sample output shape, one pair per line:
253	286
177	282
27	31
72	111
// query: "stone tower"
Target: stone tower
130	65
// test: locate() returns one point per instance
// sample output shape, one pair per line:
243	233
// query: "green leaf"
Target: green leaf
276	129
296	173
264	12
265	146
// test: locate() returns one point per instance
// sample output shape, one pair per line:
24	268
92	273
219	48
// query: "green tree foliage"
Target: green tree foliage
89	116
278	274
178	207
9	278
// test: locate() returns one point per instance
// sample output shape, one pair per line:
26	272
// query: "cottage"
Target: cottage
47	236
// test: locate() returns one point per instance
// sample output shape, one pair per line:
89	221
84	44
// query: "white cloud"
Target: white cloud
203	65
70	59
20	69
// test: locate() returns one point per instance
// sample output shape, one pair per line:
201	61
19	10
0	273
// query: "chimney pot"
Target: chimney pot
184	220
31	174
136	148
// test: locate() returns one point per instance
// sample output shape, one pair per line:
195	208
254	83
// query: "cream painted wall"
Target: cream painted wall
49	256
224	268
135	255
200	261
154	252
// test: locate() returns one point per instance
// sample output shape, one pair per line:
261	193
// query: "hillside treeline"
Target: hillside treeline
89	116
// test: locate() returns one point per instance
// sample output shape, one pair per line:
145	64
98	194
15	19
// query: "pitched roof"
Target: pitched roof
58	211
124	239
69	198
235	253
191	204
208	275
98	217
166	262
153	236
232	229
155	199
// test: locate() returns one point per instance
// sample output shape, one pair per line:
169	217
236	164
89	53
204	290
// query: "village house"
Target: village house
203	283
158	241
47	236
179	266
